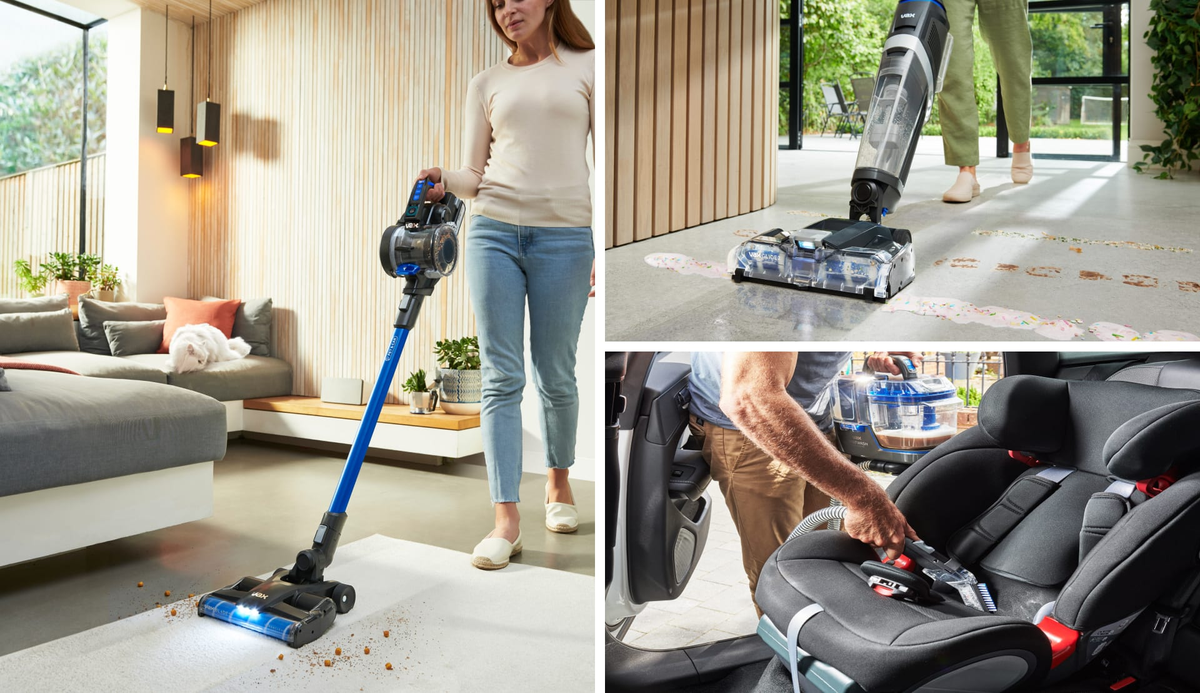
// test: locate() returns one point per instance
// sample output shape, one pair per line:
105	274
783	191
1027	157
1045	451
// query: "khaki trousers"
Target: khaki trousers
766	498
1004	25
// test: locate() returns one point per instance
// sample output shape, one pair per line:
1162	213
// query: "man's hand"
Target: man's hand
878	522
881	361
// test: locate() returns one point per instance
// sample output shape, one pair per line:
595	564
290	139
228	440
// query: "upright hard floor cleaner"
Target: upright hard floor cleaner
299	605
857	256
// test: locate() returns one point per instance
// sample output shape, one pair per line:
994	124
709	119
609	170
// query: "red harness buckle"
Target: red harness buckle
1156	485
1021	457
1063	640
1128	680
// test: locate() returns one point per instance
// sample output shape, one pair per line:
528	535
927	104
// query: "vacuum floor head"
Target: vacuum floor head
297	614
853	257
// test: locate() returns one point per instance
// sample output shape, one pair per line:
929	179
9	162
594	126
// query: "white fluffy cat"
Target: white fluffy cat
195	346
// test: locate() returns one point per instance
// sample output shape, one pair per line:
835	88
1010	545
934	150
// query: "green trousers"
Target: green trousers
1004	25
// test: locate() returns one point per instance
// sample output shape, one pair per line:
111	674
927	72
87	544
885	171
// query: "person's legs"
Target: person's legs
1004	24
497	281
765	497
957	109
558	262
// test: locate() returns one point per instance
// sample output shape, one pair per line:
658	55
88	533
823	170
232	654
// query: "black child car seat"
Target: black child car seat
1077	503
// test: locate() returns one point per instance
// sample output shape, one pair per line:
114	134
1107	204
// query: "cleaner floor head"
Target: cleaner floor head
856	256
299	605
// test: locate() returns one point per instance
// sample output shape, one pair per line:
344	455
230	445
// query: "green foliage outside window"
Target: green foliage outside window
41	102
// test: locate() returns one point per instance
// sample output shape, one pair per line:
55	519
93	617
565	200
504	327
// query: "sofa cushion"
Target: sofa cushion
96	365
63	429
127	337
45	331
93	314
183	311
248	378
252	322
41	304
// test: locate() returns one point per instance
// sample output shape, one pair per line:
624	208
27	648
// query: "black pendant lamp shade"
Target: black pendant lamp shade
208	123
191	156
166	97
208	114
166	110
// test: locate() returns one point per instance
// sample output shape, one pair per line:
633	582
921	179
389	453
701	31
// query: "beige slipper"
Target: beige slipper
1022	167
493	552
964	189
561	517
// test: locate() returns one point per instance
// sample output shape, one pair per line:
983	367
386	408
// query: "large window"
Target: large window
52	96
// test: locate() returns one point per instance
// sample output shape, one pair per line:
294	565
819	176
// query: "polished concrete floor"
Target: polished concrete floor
1090	274
267	502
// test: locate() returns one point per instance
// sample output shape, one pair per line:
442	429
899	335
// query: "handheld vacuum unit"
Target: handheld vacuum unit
854	255
299	605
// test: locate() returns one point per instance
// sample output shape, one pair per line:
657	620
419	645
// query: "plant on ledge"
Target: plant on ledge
34	283
458	354
1174	36
105	280
460	379
416	382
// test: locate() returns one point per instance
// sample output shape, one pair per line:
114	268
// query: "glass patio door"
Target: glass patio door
1080	81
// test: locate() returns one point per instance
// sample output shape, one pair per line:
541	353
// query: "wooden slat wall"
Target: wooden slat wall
692	103
329	109
39	214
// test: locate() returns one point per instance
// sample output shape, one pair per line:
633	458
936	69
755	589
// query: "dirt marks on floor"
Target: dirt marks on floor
1077	243
1141	281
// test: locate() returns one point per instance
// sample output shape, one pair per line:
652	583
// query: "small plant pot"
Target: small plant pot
423	402
73	289
109	295
462	391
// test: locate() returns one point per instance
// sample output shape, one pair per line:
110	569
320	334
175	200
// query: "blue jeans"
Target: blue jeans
550	266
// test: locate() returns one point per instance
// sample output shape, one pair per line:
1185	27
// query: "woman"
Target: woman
527	124
1004	24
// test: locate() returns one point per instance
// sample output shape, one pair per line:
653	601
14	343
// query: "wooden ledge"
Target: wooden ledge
391	414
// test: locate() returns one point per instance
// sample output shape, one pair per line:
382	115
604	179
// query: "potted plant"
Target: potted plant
460	378
63	268
34	283
421	400
105	281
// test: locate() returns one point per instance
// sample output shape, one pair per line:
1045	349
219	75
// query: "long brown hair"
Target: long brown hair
565	27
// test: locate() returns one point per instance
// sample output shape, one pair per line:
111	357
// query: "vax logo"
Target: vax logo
908	15
260	595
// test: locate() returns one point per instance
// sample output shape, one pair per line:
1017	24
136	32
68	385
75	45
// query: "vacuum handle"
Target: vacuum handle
905	364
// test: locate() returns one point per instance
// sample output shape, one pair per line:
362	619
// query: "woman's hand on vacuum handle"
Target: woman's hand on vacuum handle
434	174
875	520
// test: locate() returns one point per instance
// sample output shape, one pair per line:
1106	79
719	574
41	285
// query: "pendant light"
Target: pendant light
166	97
191	156
208	114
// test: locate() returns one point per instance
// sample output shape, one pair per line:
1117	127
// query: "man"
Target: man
767	425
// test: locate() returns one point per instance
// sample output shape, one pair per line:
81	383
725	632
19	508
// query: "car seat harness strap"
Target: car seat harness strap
793	638
973	541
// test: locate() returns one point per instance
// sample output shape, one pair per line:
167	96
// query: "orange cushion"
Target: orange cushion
182	311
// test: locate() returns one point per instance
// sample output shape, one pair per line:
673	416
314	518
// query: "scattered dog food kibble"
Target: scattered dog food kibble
388	666
272	671
338	652
328	663
190	595
387	633
366	650
167	593
281	658
173	612
140	584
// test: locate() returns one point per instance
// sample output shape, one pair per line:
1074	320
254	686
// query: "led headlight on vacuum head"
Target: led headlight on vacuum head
431	250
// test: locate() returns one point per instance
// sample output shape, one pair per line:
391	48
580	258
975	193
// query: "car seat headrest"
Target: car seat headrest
1027	413
1152	442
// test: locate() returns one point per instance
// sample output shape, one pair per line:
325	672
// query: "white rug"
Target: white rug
451	627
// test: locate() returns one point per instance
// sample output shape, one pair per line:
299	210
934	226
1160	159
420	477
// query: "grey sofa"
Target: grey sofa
122	448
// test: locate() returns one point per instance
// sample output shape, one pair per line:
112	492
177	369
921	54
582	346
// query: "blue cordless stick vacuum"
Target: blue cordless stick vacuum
299	605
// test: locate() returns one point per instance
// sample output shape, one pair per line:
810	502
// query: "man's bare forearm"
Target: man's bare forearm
754	396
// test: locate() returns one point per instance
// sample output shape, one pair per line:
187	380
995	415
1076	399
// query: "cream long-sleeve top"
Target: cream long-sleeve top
525	142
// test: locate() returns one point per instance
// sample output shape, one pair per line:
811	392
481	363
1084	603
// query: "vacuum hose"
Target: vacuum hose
822	516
